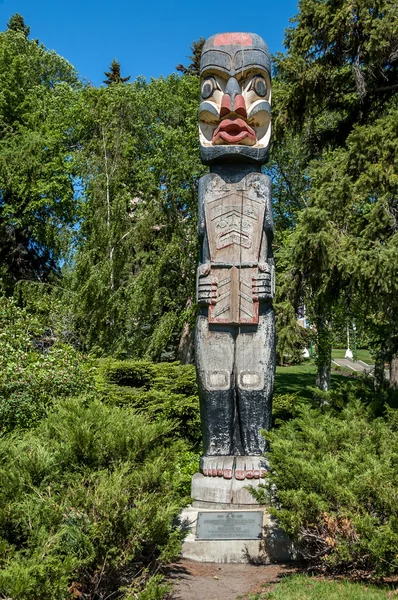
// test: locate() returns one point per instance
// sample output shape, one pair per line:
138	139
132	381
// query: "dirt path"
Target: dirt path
210	581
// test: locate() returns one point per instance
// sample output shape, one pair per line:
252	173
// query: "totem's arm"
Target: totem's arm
264	279
206	283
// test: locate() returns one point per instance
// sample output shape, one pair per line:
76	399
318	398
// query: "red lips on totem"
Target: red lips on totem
233	131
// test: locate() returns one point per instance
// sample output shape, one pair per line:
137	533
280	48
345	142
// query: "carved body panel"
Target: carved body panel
235	303
234	219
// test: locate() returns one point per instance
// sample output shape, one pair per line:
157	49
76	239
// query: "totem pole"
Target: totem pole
235	331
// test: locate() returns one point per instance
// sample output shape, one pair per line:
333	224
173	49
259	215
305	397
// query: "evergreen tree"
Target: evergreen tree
17	23
336	80
194	66
113	75
341	66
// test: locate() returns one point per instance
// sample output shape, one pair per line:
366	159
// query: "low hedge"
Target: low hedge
159	390
333	486
88	503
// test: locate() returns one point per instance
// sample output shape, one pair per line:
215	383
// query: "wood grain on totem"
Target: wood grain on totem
234	222
235	302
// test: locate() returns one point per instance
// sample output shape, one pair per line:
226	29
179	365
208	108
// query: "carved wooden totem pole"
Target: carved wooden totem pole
235	332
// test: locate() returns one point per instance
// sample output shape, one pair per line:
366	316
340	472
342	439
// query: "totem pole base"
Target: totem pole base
217	490
273	546
224	510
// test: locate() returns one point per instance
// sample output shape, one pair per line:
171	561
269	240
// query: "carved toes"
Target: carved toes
240	467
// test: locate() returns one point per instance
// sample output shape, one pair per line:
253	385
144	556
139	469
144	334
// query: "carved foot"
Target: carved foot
217	466
250	467
240	467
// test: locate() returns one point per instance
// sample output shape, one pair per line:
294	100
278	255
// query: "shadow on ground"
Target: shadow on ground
299	378
210	581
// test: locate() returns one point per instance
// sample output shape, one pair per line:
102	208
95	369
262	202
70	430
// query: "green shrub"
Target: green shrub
160	390
87	503
358	387
31	379
363	388
284	407
334	486
172	377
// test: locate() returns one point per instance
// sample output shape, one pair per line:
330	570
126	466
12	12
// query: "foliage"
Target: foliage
334	485
291	337
285	407
159	390
35	371
37	204
364	174
301	587
17	23
336	89
340	67
133	271
363	389
88	501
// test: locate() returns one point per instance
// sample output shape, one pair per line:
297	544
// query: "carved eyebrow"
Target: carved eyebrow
218	60
244	59
215	71
242	75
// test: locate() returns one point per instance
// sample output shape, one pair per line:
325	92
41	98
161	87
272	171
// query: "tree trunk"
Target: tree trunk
186	345
394	371
323	377
324	353
379	372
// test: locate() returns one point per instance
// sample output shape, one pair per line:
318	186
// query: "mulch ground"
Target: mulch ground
210	581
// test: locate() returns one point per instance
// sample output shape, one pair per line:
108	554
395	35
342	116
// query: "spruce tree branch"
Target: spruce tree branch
385	88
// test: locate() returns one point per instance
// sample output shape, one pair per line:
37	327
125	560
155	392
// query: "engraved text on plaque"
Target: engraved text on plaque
232	525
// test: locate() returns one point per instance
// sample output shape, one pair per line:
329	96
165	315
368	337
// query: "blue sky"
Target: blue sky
149	37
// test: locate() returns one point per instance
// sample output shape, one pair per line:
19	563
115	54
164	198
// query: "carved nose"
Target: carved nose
232	100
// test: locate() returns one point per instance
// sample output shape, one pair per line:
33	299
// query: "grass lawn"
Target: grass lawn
362	355
301	587
298	378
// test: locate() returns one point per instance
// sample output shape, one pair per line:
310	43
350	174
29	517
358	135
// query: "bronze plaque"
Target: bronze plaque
231	525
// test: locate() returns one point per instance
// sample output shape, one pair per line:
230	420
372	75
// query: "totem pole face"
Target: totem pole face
235	109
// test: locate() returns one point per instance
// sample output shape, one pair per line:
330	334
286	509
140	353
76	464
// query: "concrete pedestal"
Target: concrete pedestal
273	548
212	494
223	491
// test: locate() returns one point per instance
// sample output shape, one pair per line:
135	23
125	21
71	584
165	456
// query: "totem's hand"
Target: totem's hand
206	288
262	283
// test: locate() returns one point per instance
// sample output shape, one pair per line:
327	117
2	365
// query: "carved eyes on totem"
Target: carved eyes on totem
259	85
209	86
